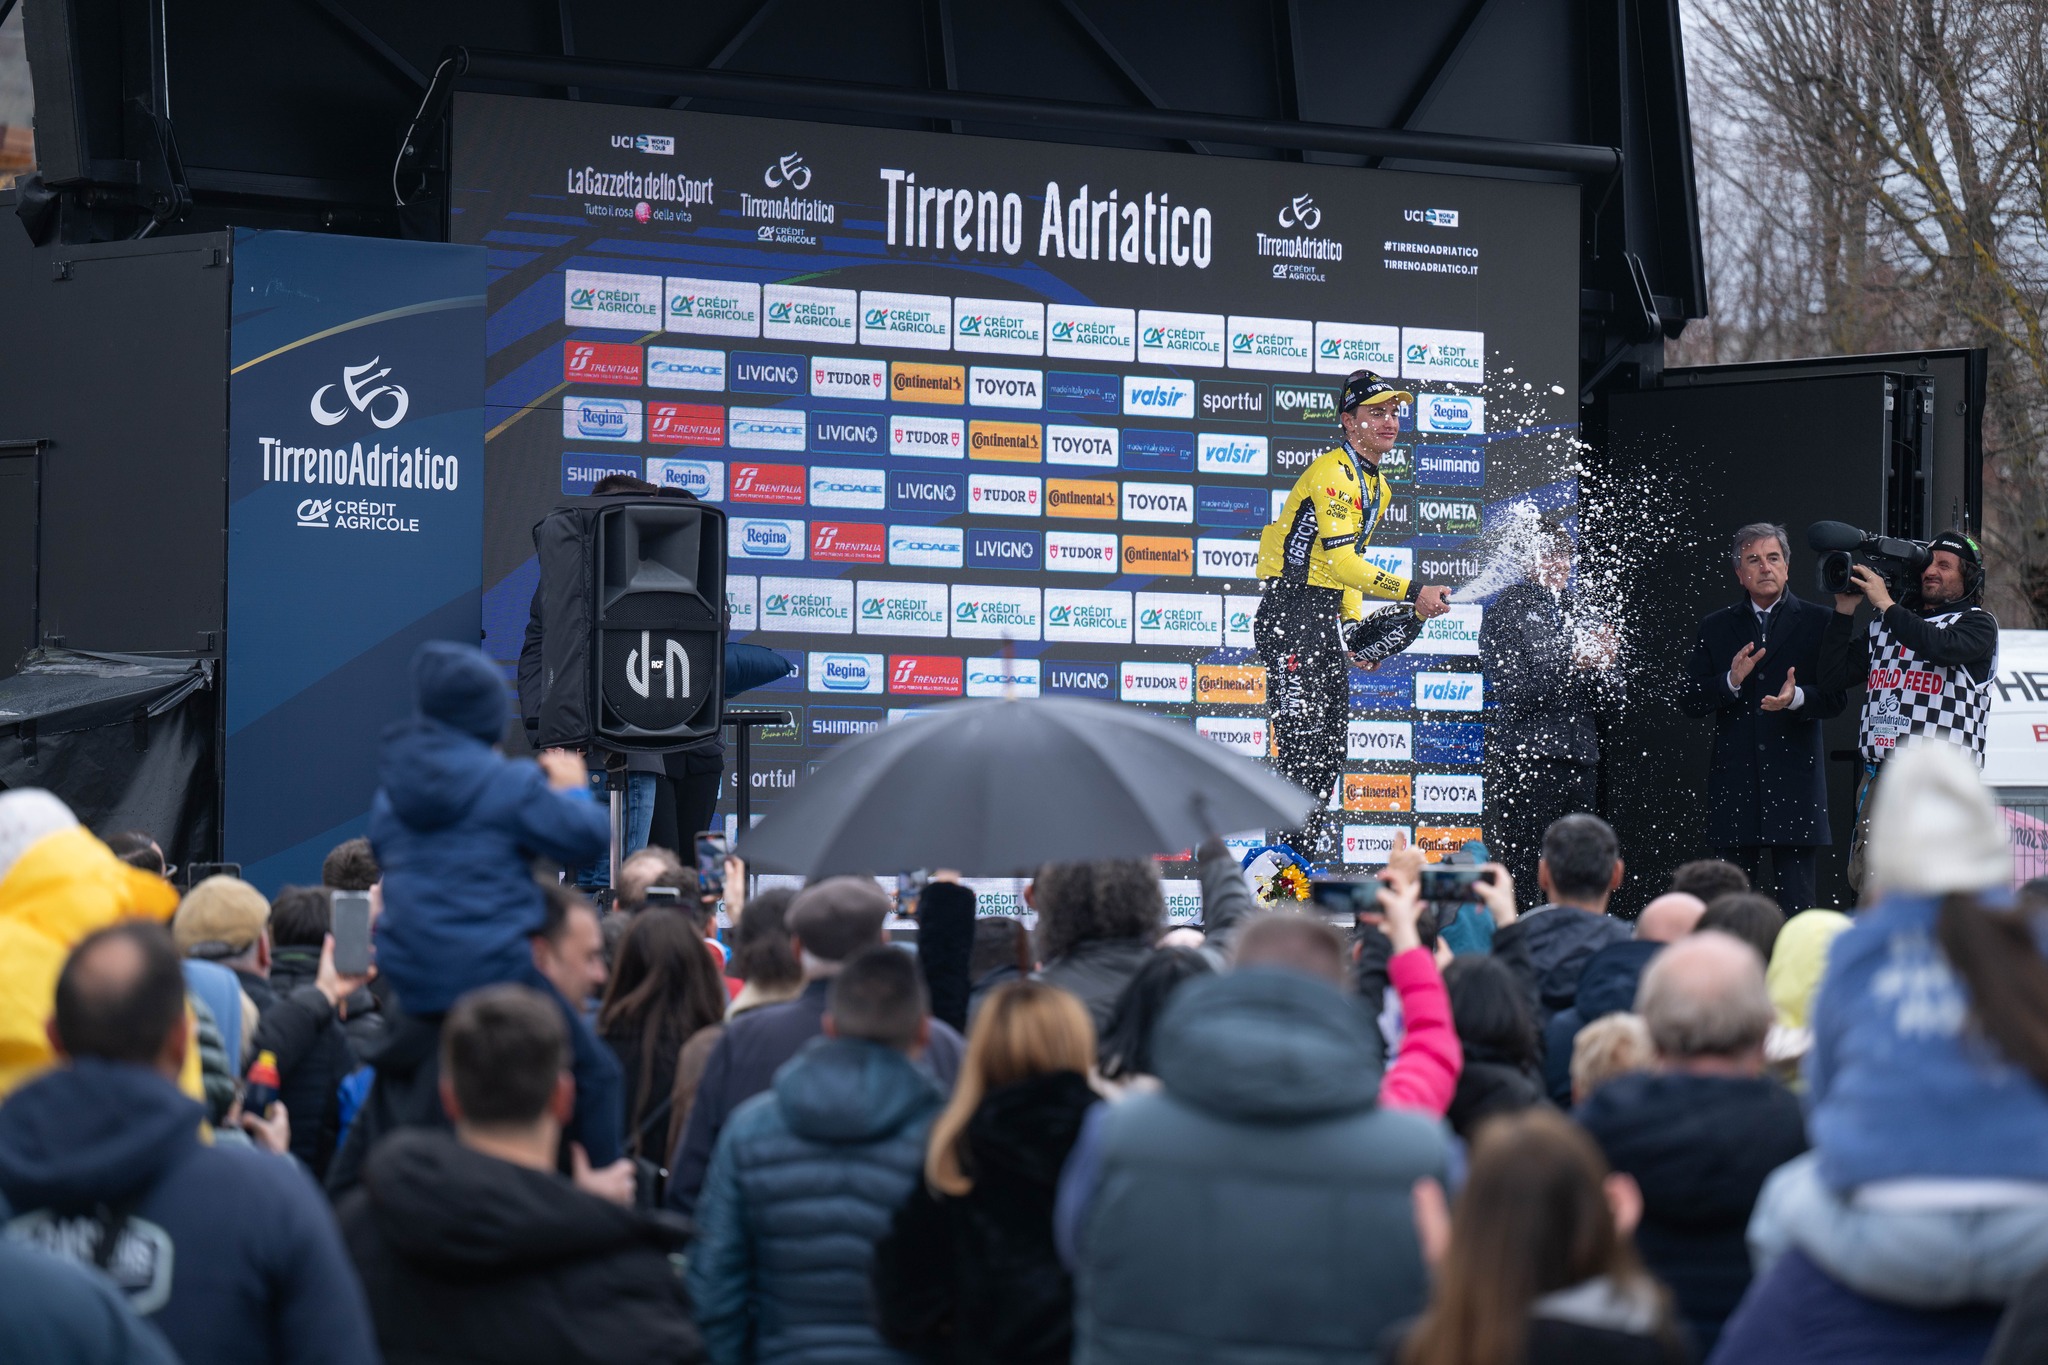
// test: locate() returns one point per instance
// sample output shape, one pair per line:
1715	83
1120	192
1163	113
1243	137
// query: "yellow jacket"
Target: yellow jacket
1329	515
65	886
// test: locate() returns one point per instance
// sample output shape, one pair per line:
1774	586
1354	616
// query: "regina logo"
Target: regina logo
383	404
1301	213
789	170
315	511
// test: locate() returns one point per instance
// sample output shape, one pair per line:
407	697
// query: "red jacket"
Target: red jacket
1424	1072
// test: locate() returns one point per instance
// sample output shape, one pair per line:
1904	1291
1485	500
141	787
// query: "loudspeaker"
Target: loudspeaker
630	615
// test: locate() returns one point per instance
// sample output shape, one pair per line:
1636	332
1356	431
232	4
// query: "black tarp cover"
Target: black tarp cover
126	740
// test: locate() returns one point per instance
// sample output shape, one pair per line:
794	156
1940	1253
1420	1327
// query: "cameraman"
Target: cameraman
1926	664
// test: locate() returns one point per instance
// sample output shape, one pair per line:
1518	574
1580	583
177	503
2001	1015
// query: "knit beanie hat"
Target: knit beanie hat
1933	827
459	686
27	814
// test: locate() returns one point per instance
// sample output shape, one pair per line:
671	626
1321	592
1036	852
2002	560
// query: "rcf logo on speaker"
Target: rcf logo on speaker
384	404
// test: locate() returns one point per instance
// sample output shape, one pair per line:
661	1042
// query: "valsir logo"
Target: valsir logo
357	383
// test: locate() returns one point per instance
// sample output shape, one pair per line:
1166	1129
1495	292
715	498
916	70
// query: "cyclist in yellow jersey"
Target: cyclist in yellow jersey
1311	622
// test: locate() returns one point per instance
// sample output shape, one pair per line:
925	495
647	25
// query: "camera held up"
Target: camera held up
1841	546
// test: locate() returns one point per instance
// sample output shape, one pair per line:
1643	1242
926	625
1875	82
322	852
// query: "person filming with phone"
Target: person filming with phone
1925	662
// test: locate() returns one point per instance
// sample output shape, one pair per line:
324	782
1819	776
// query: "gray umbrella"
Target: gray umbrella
996	788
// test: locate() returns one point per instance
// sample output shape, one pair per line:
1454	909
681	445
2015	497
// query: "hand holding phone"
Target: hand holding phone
351	933
712	850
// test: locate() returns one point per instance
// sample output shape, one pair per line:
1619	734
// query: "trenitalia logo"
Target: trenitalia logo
925	675
848	542
685	424
600	362
1234	684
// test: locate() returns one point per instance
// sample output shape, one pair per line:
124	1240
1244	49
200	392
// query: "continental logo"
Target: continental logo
913	383
1235	684
1377	791
1020	442
1159	555
1081	498
1439	841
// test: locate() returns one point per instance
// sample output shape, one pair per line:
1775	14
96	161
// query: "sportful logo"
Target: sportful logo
789	170
356	382
1302	213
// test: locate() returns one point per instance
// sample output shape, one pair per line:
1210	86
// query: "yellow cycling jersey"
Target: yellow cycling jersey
1329	515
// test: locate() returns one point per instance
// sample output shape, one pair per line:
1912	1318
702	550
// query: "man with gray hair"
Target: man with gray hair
1701	1132
1755	669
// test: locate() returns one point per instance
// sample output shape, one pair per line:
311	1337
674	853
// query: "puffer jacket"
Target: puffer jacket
1548	948
805	1180
456	827
63	887
1258	1207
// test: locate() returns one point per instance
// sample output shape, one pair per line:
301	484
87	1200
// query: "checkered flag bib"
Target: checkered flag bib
1909	696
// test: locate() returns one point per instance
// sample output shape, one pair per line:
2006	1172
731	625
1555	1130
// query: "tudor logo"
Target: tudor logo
355	384
1301	213
790	171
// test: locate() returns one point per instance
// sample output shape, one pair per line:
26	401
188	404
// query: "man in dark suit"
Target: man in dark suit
1548	674
1768	786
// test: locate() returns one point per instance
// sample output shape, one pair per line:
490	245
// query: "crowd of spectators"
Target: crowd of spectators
756	1130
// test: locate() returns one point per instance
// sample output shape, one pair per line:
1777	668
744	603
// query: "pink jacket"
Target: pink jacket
1424	1072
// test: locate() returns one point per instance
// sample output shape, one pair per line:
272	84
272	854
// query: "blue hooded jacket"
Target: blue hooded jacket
231	1253
455	826
805	1180
1899	1083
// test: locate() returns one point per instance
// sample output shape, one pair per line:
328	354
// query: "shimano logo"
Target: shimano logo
383	404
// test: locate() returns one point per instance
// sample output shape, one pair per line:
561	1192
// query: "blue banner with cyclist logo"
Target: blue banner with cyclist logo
355	521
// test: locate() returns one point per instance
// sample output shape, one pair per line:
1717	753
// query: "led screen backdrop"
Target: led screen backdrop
990	414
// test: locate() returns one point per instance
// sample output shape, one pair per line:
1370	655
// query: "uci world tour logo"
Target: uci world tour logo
1301	213
789	170
356	385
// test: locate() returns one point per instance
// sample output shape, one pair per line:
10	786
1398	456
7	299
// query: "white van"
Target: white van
2016	757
